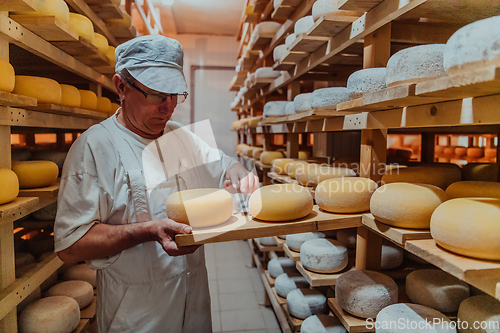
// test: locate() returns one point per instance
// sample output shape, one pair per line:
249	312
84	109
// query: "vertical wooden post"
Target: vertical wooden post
293	89
427	144
368	250
292	145
377	49
373	153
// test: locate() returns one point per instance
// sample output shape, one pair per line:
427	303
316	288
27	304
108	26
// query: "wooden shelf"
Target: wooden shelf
65	110
322	279
295	323
18	208
107	11
291	254
82	326
50	28
351	323
281	300
266	248
121	32
50	191
88	312
269	278
279	241
309	44
18	5
331	25
8	99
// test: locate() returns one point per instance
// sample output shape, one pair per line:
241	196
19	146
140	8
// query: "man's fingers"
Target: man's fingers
173	227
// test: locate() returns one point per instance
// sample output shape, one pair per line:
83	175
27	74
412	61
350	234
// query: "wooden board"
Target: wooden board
397	96
50	28
482	274
281	300
322	279
8	99
294	57
65	110
269	278
396	235
50	191
261	42
360	5
260	165
351	323
240	227
291	254
282	178
89	311
282	13
82	326
279	241
119	31
80	48
18	208
107	11
18	5
295	323
330	25
305	43
266	248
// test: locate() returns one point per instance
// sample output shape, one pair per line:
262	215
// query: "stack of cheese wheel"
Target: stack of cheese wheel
323	255
70	96
88	99
292	167
9	187
392	255
345	194
480	309
412	318
50	314
280	202
480	171
264	29
280	265
305	302
348	237
303	25
199	208
468	226
267	157
468	189
295	241
290	108
280	165
279	52
7	76
322	323
302	102
328	98
364	293
405	205
80	291
56	8
436	289
82	25
81	272
472	47
287	282
366	80
34	174
264	74
439	175
43	89
415	64
275	109
317	175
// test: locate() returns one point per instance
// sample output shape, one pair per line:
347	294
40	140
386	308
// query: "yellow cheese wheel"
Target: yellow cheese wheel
345	194
43	89
280	202
468	226
49	315
280	165
100	42
111	53
304	155
257	152
57	8
33	174
82	25
293	166
239	147
480	171
9	185
199	208
267	157
317	175
440	175
302	173
7	76
88	100
406	205
254	122
103	104
114	107
479	189
70	96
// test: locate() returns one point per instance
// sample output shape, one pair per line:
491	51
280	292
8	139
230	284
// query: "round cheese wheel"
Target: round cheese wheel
279	52
275	109
70	96
267	27
103	104
57	8
303	24
480	171
80	291
366	80
345	194
482	309
280	265
323	255
204	207
302	173
82	25
406	205
464	189
364	293
280	202
290	108
305	302
280	165
415	64
100	42
475	152
302	102
81	272
88	99
322	324
9	186
293	166
267	157
436	289
43	89
50	314
348	237
289	40
438	176
267	73
239	147
34	174
110	53
304	155
329	97
267	241
295	241
392	256
256	153
7	76
469	227
287	282
24	258
410	318
473	46
323	7
317	175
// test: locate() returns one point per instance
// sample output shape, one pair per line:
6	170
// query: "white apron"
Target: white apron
144	289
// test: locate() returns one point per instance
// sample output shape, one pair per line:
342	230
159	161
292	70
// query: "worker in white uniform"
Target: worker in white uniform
109	218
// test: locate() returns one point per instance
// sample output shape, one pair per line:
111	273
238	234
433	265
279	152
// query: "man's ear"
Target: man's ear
120	86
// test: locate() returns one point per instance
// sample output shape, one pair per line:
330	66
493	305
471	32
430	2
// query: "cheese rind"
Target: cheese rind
329	97
267	241
480	171
279	52
275	109
480	189
88	99
287	282
266	72
366	80
439	175
103	104
57	8
303	24
302	102
392	256
280	165
322	7
43	89
345	194
479	309
323	255
83	26
34	174
280	265
290	39
322	324
9	186
267	157
50	314
295	241
7	76
70	96
305	302
293	166
80	291
81	272
317	175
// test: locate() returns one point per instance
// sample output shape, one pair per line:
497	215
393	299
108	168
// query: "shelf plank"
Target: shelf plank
18	208
50	191
482	274
8	99
291	254
361	5
279	241
262	167
261	42
281	178
88	312
295	323
266	248
294	57
82	326
398	96
397	235
322	279
65	110
50	28
281	300
107	11
269	278
331	24
305	43
351	323
119	31
282	13
18	5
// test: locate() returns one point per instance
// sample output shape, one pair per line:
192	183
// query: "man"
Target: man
108	217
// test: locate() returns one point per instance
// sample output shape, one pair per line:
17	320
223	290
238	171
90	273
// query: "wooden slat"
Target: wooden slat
269	278
50	28
107	11
17	208
294	57
88	312
295	323
292	255
322	279
282	13
397	96
360	5
267	248
120	31
397	235
18	5
81	47
65	110
281	300
330	25
351	323
50	191
8	99
261	42
82	326
305	43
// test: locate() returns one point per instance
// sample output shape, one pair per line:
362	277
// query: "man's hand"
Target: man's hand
239	179
163	231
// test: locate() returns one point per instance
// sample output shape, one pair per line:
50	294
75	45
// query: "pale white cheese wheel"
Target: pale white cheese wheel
302	102
364	293
392	256
406	205
473	46
322	324
345	194
436	289
280	165
322	7
305	302
469	227
287	282
267	27
267	157
439	175
293	166
464	189
317	175
366	80
303	24
275	109
290	108
80	291
279	52
410	318
280	202
59	314
415	64
329	97
295	241
480	171
302	173
266	73
280	265
482	309
267	241
348	237
289	40
199	208
323	255
81	272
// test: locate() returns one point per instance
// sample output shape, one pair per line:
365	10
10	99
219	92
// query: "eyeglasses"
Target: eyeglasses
160	98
